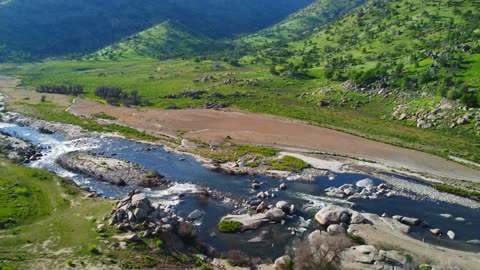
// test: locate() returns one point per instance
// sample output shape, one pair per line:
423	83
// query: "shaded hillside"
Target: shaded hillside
35	29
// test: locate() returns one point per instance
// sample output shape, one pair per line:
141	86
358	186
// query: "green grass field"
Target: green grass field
53	221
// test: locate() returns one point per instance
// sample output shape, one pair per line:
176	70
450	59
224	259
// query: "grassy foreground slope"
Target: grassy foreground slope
45	220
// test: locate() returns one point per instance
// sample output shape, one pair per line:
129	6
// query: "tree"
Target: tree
320	251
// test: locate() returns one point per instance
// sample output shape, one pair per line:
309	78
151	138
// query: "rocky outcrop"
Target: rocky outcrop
382	259
18	150
114	171
364	189
135	213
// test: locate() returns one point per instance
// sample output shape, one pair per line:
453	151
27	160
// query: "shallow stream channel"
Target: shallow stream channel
270	240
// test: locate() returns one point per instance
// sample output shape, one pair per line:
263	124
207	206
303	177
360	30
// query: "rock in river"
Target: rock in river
367	182
195	215
332	214
275	214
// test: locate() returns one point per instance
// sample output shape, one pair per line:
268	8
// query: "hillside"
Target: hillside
165	40
407	45
302	23
38	29
371	73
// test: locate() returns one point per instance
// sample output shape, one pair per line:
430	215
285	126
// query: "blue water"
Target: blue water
308	197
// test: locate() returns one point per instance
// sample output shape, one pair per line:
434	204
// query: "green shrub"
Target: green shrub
357	239
159	243
93	249
288	163
102	115
22	191
229	226
70	262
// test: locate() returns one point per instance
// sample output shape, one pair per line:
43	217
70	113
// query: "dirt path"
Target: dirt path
244	127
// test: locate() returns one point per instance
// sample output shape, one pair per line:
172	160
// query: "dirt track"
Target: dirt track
244	127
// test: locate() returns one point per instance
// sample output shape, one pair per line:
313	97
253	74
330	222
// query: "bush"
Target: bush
229	226
288	163
70	262
159	243
357	239
93	249
237	258
322	251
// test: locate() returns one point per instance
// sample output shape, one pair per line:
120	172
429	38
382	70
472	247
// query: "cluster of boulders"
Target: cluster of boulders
204	79
112	170
381	259
445	114
135	213
363	189
257	212
193	94
19	151
263	214
214	105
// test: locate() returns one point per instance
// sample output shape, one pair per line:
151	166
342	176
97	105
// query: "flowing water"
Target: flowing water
188	174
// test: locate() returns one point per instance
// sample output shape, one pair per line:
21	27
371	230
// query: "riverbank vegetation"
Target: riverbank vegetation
472	194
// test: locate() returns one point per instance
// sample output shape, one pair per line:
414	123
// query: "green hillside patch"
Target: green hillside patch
163	41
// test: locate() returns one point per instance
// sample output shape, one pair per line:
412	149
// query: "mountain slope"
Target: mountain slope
400	44
302	23
36	29
165	40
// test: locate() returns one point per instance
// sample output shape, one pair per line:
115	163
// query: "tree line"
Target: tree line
116	96
74	90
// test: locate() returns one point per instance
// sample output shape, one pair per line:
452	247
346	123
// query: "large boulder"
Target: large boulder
367	182
451	235
275	214
195	215
283	262
186	230
410	221
140	214
249	222
362	254
332	215
336	229
283	205
357	218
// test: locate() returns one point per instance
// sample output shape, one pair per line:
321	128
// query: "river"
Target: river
188	174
